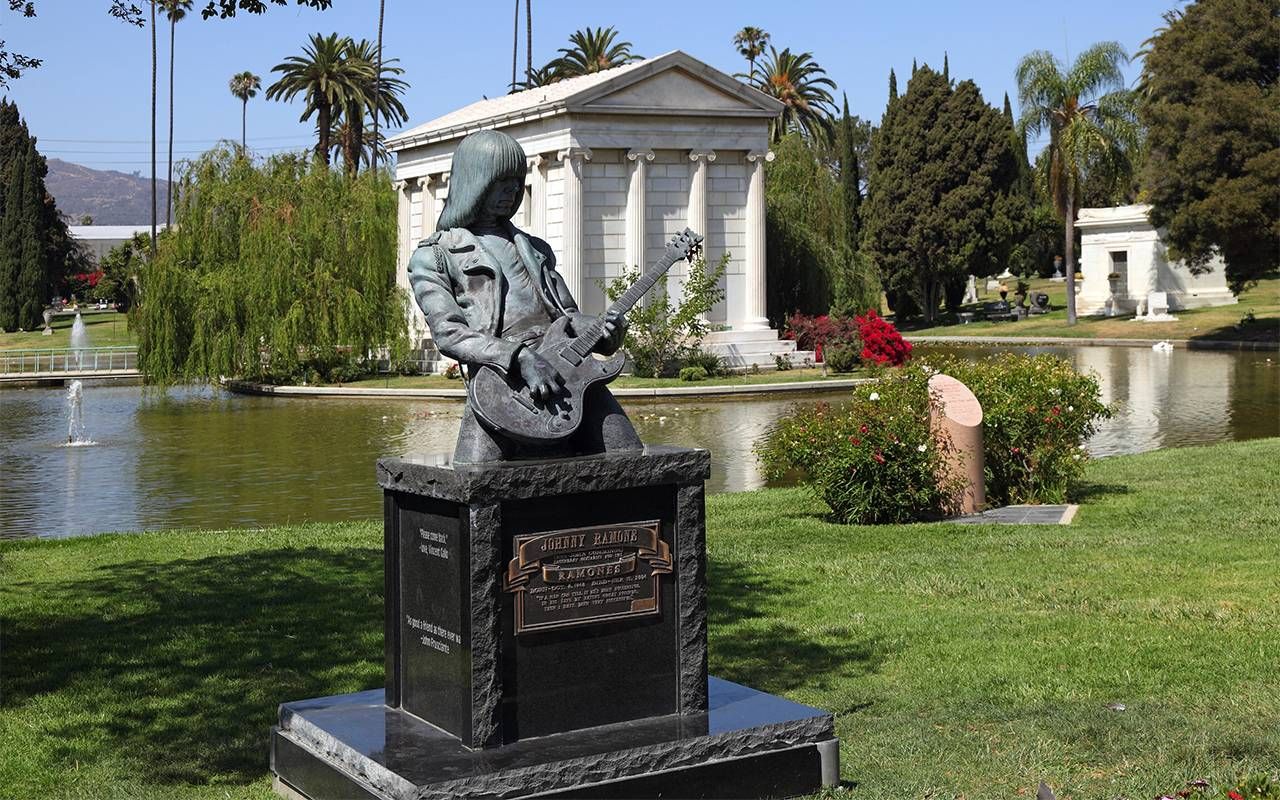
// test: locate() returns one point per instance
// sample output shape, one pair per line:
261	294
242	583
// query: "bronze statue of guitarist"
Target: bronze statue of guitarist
491	296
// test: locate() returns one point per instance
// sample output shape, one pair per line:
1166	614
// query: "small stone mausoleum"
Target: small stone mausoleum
619	161
1121	241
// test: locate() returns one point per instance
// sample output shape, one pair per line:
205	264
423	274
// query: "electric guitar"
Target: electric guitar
503	402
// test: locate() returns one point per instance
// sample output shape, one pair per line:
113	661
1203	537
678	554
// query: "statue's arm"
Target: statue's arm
429	279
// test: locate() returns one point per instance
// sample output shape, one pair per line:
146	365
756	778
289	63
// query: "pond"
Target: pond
202	457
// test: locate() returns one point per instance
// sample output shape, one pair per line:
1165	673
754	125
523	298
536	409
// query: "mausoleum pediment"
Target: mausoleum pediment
674	84
672	91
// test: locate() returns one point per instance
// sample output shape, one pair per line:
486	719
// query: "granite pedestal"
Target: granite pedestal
546	637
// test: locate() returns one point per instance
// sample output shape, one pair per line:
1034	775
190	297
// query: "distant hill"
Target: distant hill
110	197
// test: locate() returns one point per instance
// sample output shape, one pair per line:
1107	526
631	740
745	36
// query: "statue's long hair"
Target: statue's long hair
481	160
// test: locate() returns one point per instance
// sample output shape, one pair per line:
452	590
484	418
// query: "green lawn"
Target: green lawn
960	661
769	375
1218	323
105	329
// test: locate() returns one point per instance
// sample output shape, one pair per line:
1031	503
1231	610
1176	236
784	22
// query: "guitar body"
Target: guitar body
503	403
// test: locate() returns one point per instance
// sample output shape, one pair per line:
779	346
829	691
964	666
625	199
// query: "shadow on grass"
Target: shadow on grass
1263	330
180	666
1084	492
759	647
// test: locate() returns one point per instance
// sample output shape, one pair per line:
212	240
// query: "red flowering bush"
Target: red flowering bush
818	333
872	459
881	342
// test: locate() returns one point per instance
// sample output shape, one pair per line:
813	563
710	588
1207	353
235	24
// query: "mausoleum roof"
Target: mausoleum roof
673	82
1133	216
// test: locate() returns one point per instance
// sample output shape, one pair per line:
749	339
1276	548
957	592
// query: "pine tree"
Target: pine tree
946	68
893	86
1212	111
943	201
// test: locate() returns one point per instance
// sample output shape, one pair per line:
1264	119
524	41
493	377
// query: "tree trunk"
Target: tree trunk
153	130
1069	255
377	86
323	121
168	205
244	140
528	42
515	45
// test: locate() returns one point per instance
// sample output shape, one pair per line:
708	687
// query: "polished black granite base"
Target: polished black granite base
748	744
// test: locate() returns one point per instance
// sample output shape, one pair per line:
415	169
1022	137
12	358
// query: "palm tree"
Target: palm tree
244	85
176	10
542	76
372	96
801	85
377	70
593	50
1091	123
751	42
326	77
1143	85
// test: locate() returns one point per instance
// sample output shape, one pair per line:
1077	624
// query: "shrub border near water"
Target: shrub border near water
874	458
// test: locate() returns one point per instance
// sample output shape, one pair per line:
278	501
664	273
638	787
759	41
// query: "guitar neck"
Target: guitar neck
587	340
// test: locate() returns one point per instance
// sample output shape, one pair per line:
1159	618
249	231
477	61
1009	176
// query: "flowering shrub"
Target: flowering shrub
1258	786
820	332
1037	413
872	460
881	342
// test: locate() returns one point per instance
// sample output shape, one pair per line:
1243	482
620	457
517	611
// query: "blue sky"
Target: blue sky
90	102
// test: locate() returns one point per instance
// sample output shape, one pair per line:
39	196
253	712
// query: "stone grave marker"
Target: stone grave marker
957	416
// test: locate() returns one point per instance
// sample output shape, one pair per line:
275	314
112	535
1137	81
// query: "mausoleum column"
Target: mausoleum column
427	205
697	217
753	305
538	196
404	211
570	262
698	190
636	207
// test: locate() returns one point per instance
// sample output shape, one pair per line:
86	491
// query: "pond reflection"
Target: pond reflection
201	457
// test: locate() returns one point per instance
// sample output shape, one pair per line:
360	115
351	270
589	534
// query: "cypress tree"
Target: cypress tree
914	68
946	68
849	179
34	242
8	265
893	86
32	284
13	171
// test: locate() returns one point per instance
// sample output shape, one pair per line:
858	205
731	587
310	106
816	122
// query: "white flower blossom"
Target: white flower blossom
921	448
874	396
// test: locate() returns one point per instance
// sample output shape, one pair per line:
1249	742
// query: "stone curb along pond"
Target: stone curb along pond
1067	341
834	384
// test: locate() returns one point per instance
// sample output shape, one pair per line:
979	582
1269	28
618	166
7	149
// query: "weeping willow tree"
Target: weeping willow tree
275	270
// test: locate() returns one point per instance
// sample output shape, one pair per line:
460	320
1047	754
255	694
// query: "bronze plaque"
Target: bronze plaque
582	576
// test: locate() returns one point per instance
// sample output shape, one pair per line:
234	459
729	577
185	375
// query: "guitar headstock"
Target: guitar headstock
685	244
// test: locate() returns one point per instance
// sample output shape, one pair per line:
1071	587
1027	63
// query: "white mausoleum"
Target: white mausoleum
619	161
1122	241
